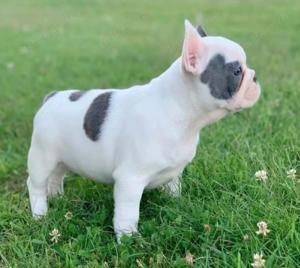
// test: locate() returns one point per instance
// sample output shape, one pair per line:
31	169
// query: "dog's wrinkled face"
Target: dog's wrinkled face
219	65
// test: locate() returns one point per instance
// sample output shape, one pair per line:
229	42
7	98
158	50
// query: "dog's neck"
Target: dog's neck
177	92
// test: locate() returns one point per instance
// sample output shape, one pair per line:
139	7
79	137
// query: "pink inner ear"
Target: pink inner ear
193	47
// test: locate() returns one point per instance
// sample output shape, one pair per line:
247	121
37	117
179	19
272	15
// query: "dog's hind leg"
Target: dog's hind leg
173	187
40	166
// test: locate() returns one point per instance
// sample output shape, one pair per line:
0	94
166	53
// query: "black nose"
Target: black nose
254	78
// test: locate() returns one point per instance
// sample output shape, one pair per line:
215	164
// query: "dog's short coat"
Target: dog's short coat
141	137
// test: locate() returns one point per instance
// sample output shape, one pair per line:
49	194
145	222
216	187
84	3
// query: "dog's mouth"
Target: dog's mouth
242	80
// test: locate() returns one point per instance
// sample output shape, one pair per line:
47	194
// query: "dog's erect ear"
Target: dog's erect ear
201	31
193	49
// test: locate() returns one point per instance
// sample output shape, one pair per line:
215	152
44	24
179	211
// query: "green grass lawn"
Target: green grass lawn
56	45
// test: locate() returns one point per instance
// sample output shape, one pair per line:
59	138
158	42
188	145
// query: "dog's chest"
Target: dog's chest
165	175
178	156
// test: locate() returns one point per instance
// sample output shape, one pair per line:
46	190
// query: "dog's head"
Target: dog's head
218	70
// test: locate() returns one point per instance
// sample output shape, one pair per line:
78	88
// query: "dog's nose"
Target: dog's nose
254	78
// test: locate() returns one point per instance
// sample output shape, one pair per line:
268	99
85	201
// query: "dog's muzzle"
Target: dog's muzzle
248	94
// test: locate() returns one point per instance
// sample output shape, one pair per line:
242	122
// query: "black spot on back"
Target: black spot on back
51	94
74	96
95	115
222	78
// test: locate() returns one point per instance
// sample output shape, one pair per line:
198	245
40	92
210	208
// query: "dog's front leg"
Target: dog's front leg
127	196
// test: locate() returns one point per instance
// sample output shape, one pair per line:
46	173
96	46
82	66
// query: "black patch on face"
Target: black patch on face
50	95
201	31
223	79
95	115
74	96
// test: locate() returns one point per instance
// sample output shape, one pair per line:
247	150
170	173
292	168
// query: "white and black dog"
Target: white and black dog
141	137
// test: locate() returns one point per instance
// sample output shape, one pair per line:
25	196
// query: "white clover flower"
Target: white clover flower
54	235
258	261
263	228
246	237
68	216
291	174
189	259
261	175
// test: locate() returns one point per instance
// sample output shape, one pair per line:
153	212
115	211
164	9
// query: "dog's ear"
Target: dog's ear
201	31
193	49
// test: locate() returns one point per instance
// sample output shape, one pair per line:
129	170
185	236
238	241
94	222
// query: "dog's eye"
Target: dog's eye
238	71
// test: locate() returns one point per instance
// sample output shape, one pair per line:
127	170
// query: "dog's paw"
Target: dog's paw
122	235
39	206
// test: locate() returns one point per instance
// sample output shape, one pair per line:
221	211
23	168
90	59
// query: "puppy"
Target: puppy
141	137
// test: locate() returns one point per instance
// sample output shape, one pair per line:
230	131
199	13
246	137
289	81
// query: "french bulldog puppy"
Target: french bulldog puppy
141	137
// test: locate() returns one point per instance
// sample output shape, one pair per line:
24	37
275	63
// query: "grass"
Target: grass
47	45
